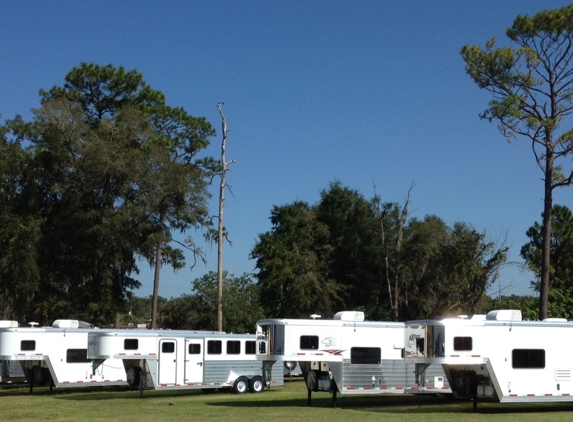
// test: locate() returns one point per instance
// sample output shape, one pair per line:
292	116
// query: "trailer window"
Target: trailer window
365	355
250	347
214	347
130	344
528	358
168	347
233	347
463	343
308	342
194	349
77	356
28	345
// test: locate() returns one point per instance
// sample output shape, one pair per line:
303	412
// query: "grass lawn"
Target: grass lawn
286	403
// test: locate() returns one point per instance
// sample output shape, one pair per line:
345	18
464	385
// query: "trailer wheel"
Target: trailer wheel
133	375
241	386
256	385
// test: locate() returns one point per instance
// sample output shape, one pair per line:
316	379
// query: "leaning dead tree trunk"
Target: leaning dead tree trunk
393	281
222	186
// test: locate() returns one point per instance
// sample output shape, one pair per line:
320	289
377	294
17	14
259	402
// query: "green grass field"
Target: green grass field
286	403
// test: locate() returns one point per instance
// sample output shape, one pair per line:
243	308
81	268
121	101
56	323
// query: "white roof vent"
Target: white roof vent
478	317
555	320
315	316
349	316
66	323
8	324
504	315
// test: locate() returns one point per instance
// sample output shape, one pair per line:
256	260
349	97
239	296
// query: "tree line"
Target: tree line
102	176
106	172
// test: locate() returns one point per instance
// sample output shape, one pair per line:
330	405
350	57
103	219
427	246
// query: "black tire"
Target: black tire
256	385
312	381
241	385
133	376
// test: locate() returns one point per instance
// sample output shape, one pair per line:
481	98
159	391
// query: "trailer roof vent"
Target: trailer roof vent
349	316
8	324
478	317
66	323
555	320
504	315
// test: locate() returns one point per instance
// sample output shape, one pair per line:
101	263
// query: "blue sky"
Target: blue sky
365	92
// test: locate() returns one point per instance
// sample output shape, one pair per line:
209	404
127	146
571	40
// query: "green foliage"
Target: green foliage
532	97
332	256
292	260
109	172
198	311
561	251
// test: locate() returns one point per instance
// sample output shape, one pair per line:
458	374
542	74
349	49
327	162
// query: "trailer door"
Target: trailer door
167	362
193	361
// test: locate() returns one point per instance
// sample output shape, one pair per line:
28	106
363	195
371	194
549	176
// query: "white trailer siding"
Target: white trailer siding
58	356
183	359
498	359
352	357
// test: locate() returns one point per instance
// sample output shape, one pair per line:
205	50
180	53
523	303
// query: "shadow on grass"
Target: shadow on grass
383	404
406	404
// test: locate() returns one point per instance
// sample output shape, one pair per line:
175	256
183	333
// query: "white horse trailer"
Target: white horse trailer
57	356
10	371
176	359
497	357
345	355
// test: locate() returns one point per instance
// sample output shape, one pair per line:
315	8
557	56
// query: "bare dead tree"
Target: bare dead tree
393	283
222	186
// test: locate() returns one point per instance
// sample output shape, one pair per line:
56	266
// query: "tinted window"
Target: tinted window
308	342
77	356
28	345
233	347
131	344
365	355
250	347
462	343
528	358
194	349
168	347
214	347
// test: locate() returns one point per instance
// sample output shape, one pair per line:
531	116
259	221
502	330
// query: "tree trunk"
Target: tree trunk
546	235
158	255
221	227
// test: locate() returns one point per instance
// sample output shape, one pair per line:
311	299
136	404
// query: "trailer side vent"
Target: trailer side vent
562	374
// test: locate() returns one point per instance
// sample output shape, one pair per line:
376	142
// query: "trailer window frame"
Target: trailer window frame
214	347
28	345
250	347
365	355
463	344
167	347
77	356
130	344
528	358
308	342
194	349
233	347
